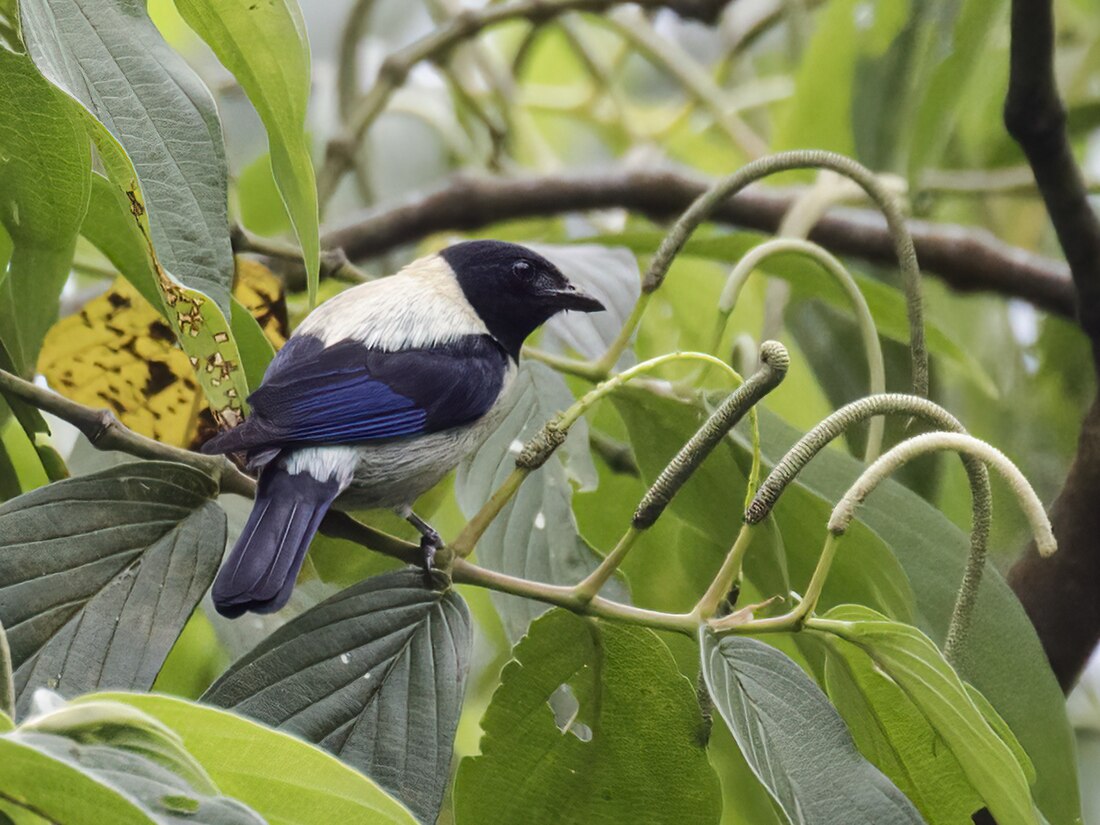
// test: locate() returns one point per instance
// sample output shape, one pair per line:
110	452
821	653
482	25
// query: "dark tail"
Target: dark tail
260	572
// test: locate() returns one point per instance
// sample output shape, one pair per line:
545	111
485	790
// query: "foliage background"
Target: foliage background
914	88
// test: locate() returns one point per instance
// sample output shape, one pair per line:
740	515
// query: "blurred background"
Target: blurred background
910	87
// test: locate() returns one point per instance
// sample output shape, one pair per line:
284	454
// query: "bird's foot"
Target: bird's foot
430	542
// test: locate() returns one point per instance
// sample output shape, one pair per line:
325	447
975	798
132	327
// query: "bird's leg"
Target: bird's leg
429	539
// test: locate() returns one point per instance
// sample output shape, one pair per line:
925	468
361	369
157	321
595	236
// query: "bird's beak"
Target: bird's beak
573	298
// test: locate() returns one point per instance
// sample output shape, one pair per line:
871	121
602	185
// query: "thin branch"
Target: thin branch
334	263
671	58
339	155
968	259
105	432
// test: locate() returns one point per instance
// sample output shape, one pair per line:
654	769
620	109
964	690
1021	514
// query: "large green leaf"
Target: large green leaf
793	739
34	781
77	763
279	776
180	225
535	536
1002	657
45	180
911	659
111	228
375	674
99	574
821	112
266	47
627	744
971	24
893	733
110	57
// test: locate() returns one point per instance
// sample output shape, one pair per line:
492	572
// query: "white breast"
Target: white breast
420	306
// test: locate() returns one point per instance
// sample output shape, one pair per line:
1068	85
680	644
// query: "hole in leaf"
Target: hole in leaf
566	710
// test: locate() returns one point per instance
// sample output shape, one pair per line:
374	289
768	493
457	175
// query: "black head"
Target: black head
513	289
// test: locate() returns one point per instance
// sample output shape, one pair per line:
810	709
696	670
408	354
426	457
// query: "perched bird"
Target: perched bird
376	396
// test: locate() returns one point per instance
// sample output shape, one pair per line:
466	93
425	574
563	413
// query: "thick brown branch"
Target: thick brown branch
968	259
1059	593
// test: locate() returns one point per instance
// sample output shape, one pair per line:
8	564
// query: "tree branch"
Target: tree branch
105	432
1059	593
967	259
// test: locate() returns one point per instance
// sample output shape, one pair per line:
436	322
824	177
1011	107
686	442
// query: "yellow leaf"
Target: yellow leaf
119	353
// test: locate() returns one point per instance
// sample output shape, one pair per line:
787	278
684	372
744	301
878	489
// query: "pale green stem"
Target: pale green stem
549	438
563	596
724	189
797	617
587	589
727	574
875	364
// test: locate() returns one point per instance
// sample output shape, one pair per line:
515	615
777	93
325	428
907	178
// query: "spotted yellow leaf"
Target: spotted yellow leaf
119	353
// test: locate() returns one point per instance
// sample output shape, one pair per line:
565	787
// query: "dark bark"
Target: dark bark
966	258
1060	593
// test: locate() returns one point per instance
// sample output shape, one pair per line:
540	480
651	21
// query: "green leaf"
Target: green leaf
256	351
153	793
7	682
971	25
375	675
111	229
181	223
1003	657
116	725
98	574
36	782
847	33
45	180
911	659
592	723
266	47
108	55
536	533
895	736
793	739
279	776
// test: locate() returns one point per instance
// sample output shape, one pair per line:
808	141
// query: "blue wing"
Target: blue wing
347	393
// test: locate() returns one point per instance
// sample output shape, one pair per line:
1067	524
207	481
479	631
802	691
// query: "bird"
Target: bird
379	393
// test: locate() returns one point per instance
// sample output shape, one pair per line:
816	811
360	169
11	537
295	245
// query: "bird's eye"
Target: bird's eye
521	269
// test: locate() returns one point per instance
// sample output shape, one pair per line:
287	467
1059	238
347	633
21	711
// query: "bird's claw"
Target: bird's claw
429	544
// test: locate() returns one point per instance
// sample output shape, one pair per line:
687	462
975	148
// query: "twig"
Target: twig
693	78
105	432
339	155
968	259
334	263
